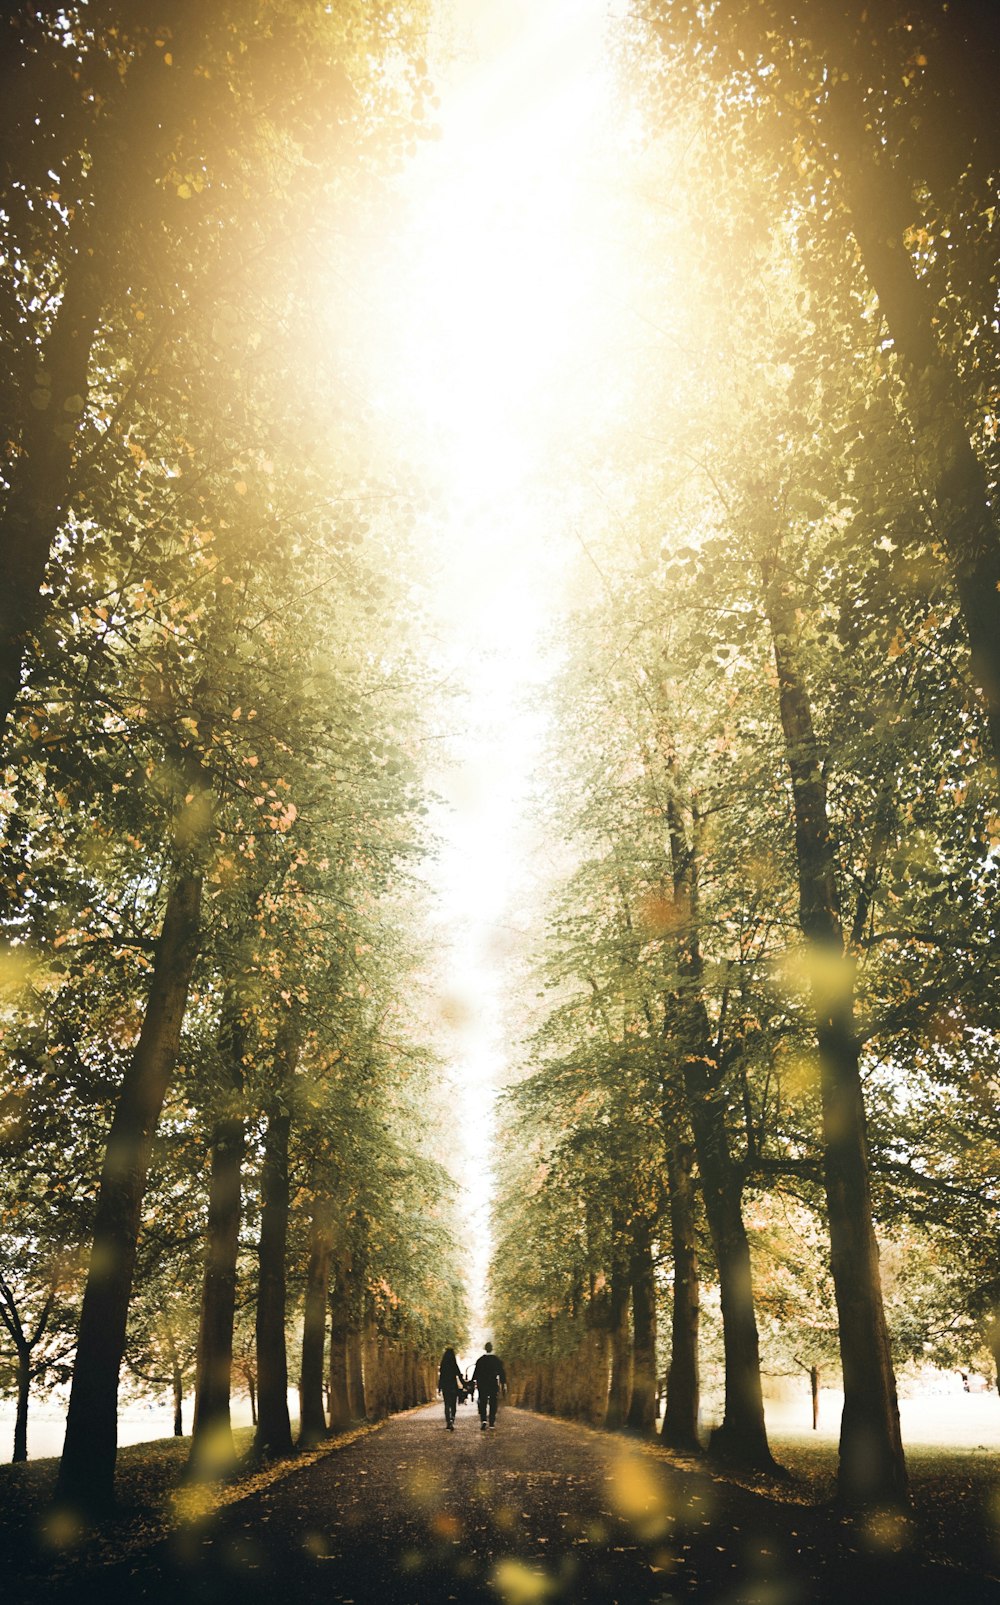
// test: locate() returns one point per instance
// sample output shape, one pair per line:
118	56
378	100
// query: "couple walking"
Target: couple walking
488	1378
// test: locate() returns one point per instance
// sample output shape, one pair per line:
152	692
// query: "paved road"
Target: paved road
534	1513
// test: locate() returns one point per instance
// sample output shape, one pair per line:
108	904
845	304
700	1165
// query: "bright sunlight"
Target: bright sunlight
497	299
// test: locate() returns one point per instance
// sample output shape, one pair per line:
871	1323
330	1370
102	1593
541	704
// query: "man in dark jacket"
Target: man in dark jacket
489	1377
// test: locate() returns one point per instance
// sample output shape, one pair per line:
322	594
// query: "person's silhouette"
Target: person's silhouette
489	1377
449	1382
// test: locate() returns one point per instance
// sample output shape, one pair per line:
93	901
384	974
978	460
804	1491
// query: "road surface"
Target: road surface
536	1512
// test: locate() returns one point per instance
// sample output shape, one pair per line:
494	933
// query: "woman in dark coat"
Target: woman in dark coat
449	1381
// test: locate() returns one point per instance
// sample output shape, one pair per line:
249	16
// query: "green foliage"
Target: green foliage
229	615
786	451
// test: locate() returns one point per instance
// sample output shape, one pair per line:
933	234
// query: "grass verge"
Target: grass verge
153	1500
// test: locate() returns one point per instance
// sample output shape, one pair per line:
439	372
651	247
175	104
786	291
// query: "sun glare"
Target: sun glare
502	269
497	273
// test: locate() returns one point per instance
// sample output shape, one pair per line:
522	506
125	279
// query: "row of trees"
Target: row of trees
212	798
772	968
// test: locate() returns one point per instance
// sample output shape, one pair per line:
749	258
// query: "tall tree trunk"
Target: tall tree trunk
742	1437
620	1384
413	1385
595	1356
41	481
872	1464
408	1391
357	1401
274	1432
680	1418
993	1341
384	1373
398	1396
87	1468
965	514
340	1403
177	1380
312	1418
21	1416
374	1381
642	1406
213	1452
138	122
546	1388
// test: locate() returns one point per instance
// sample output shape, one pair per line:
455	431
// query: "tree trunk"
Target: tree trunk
41	478
386	1378
399	1399
340	1402
993	1340
385	1352
274	1432
21	1417
642	1407
177	1379
680	1417
407	1391
86	1472
872	1464
213	1452
595	1365
312	1419
742	1437
412	1390
357	1402
620	1385
546	1388
126	150
954	474
566	1378
374	1381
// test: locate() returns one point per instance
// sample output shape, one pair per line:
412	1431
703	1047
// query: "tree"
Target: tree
87	1463
134	154
39	1317
841	102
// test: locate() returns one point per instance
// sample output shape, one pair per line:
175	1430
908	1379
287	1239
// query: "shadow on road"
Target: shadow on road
537	1512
